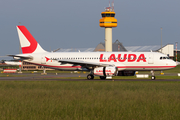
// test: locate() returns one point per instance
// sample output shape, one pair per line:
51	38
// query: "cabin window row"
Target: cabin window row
93	58
72	58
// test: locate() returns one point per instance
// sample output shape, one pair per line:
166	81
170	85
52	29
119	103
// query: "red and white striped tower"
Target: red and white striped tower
176	51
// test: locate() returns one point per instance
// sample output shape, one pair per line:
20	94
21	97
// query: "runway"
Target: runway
64	77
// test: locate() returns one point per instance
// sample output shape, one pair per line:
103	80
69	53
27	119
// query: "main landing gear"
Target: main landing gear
90	76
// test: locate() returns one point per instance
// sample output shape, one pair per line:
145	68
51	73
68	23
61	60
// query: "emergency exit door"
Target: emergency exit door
151	58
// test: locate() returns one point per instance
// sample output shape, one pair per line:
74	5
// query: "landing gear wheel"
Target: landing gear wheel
153	77
102	77
90	76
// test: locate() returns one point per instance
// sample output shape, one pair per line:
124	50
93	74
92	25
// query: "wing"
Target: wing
83	63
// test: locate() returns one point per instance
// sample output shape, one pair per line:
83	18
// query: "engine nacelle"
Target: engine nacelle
105	71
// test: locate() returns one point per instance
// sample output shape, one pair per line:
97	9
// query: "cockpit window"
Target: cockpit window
163	58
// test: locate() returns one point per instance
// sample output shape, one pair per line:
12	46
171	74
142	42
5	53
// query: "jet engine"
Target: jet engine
105	71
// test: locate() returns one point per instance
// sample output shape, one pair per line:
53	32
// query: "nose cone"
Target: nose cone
173	64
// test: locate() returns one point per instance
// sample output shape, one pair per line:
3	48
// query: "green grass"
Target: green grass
89	100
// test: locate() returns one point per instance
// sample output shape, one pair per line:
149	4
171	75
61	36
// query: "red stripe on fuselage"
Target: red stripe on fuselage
30	38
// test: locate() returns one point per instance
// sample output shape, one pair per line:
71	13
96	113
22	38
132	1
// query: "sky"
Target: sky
75	23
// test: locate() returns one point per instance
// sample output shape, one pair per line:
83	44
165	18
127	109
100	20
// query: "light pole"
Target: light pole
161	49
161	39
176	51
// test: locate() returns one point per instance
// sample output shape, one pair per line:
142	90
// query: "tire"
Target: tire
90	76
153	77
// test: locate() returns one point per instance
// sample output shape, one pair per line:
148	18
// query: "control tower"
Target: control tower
108	21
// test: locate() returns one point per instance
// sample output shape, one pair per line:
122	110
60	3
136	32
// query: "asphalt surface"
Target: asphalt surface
64	76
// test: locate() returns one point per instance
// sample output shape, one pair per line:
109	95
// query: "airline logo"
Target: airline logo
102	71
47	59
123	58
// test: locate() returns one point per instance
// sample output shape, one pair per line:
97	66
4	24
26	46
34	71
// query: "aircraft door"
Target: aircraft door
43	59
151	59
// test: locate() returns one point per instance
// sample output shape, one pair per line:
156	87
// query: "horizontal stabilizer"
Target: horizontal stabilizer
19	57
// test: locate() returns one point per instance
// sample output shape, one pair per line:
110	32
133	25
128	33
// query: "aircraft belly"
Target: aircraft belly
57	65
139	68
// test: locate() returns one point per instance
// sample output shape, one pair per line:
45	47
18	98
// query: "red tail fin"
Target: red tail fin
27	41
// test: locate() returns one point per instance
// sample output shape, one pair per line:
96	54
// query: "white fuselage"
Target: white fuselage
121	60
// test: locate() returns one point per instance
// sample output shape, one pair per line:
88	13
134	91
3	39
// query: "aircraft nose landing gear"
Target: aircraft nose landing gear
152	77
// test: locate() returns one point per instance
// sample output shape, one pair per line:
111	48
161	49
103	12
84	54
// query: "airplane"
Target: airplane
103	64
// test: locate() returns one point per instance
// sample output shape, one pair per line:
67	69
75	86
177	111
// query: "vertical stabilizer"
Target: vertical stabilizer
27	41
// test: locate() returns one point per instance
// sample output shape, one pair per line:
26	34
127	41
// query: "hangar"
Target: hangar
117	46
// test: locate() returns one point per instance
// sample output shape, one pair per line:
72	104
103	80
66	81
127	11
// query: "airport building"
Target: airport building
29	66
118	47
